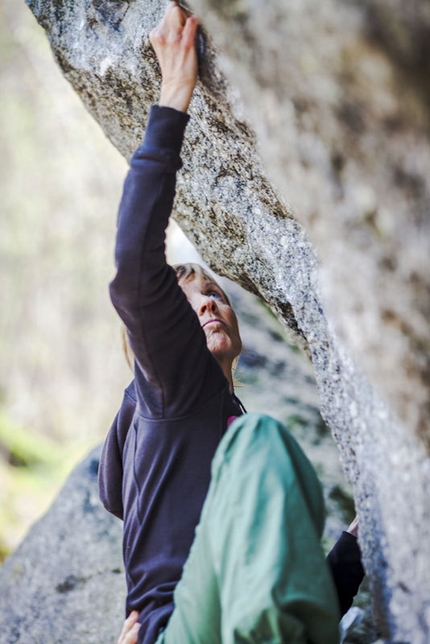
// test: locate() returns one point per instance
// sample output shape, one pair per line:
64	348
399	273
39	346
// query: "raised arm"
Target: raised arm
165	335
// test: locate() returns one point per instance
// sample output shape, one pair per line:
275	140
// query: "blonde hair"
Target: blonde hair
126	347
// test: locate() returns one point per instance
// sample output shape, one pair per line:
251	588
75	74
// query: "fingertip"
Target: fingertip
169	8
179	13
191	24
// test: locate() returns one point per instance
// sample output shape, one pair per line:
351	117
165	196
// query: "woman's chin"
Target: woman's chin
220	347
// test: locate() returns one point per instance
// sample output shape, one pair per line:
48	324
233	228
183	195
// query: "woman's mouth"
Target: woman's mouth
213	321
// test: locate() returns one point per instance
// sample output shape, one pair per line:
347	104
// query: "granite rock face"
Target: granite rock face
341	106
65	583
334	98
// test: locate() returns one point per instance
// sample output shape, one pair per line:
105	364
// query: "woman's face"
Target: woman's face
216	317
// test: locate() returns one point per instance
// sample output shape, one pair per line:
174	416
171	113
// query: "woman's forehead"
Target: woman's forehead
196	281
206	282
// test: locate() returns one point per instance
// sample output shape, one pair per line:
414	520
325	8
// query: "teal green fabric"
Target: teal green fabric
256	571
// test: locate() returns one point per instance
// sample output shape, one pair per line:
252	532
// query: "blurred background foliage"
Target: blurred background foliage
60	347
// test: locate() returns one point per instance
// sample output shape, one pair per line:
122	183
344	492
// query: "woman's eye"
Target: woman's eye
215	295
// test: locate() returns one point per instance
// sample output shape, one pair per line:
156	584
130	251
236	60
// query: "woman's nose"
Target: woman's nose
207	304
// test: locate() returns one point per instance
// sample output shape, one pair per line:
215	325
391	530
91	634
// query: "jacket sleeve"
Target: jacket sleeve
347	570
172	362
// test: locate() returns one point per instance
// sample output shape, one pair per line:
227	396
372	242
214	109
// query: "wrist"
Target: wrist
177	97
353	528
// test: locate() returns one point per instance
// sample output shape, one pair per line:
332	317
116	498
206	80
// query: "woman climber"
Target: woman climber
223	513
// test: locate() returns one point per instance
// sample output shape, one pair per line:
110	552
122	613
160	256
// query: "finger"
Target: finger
175	16
131	637
185	11
128	624
171	25
190	29
168	19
